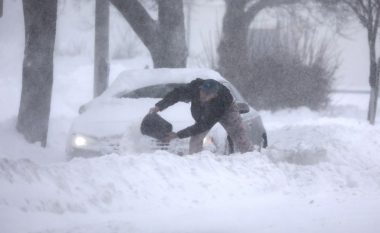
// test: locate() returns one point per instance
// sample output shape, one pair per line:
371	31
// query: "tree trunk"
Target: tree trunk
101	63
373	81
40	18
376	91
164	39
189	9
170	49
234	60
1	8
233	54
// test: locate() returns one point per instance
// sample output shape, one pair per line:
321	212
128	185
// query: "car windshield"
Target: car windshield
154	91
160	90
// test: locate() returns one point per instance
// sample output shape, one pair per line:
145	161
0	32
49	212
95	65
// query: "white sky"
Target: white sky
353	72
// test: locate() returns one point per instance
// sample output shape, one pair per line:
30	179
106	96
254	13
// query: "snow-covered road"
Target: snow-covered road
321	173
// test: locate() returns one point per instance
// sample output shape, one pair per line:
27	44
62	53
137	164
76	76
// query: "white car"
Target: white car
111	122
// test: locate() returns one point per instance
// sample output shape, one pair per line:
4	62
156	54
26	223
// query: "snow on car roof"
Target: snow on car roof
133	79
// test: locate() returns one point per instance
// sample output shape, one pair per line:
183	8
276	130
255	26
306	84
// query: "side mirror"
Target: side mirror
82	109
243	107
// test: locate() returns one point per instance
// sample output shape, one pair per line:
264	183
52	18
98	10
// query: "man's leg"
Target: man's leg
233	124
196	142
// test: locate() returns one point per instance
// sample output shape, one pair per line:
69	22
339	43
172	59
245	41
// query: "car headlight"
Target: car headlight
208	140
209	143
81	141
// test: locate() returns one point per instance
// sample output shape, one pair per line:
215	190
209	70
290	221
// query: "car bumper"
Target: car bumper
176	146
83	153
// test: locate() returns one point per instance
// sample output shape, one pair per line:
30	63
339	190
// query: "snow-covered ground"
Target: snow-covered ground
321	172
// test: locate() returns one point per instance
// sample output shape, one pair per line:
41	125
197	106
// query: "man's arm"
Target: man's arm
197	128
183	93
178	94
208	121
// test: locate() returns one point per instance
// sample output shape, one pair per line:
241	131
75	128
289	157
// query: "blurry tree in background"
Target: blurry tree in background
165	38
1	8
233	50
367	12
40	18
188	8
101	57
290	66
275	68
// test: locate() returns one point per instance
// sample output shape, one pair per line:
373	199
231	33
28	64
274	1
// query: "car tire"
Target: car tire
264	142
229	146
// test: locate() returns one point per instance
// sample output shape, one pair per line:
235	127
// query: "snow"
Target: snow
110	117
133	79
320	173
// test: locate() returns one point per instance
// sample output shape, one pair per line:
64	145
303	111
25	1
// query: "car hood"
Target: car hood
114	116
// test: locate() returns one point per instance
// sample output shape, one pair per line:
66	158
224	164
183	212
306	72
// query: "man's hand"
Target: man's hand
170	136
155	109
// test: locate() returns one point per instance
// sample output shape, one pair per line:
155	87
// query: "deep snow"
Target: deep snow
321	172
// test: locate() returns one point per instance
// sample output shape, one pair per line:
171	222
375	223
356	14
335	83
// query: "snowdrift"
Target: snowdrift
310	160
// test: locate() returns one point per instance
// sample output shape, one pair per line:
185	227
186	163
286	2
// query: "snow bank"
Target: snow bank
329	155
320	174
317	163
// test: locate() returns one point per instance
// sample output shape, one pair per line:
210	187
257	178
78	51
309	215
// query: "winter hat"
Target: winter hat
210	86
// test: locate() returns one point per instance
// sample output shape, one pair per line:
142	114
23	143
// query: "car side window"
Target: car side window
154	91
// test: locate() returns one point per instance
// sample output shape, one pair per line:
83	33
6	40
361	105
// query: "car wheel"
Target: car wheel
264	141
229	146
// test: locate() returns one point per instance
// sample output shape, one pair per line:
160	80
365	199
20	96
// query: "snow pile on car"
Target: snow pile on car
134	79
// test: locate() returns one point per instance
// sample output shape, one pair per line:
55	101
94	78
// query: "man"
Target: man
211	102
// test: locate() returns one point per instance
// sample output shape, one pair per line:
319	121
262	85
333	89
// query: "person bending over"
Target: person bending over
211	102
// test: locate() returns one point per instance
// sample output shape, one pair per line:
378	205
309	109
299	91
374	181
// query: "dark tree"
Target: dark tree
165	37
367	12
40	18
233	52
1	8
101	63
233	55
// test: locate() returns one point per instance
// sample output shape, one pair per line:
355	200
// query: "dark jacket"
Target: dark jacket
205	115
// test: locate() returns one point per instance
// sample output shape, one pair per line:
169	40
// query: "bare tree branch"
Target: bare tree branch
1	8
255	8
139	19
370	16
366	9
376	22
357	10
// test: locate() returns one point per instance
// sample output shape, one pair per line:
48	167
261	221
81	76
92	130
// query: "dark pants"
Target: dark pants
234	126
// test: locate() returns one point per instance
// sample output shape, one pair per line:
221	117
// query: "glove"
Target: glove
155	109
170	136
